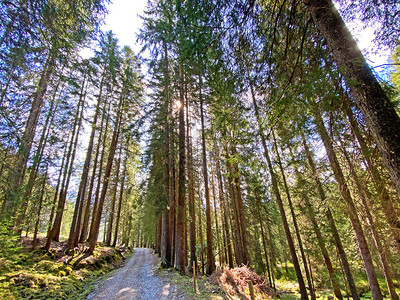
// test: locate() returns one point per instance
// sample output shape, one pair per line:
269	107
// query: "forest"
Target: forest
245	133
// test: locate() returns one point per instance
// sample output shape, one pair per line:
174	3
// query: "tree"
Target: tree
369	96
55	38
181	255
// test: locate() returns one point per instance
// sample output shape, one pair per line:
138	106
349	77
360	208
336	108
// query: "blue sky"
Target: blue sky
124	21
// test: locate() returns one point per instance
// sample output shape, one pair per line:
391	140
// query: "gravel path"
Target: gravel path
136	280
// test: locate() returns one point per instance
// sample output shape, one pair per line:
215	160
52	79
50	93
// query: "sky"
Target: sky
123	19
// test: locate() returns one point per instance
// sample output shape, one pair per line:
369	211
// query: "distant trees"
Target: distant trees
265	137
42	41
262	91
52	92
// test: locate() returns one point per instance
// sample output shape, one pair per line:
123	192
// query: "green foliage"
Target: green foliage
8	240
35	274
393	91
185	283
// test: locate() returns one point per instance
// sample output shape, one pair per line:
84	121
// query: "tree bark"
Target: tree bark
278	198
216	222
94	231
121	194
100	140
99	177
114	198
24	148
294	219
320	241
236	235
56	194
37	159
166	240
352	211
210	254
173	195
55	232
365	198
76	220
223	212
331	221
388	206
270	274
34	240
200	226
192	208
240	212
378	111
181	255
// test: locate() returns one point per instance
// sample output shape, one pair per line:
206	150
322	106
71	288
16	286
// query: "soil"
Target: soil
138	279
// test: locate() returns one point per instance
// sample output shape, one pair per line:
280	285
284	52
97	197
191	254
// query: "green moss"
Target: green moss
35	275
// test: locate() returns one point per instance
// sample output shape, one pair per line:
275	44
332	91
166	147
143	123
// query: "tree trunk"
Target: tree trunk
321	243
223	212
331	221
121	194
236	230
37	159
192	208
34	240
353	215
270	274
378	111
56	194
200	226
240	213
173	195
76	219
85	223
181	255
216	223
114	199
94	231
302	286
99	178
365	198
157	246
388	206
294	218
55	232
24	149
166	242
210	254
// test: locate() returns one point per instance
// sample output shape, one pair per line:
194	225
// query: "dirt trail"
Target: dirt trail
136	280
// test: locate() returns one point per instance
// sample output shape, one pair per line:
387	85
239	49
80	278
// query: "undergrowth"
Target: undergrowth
205	290
26	274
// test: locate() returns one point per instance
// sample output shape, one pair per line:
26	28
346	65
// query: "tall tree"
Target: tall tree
181	255
369	96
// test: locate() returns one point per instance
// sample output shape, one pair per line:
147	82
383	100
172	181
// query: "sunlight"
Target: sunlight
178	104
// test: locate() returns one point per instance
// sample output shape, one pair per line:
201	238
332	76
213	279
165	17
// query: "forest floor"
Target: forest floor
136	280
142	278
37	274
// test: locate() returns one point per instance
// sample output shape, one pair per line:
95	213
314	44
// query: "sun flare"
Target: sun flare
178	104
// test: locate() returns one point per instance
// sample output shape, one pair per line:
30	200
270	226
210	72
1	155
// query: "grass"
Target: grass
288	287
205	290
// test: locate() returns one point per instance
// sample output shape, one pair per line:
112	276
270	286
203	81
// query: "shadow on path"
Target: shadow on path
136	280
